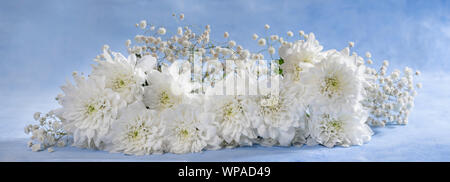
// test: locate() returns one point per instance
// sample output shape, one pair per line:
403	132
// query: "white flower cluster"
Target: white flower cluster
47	134
186	93
390	97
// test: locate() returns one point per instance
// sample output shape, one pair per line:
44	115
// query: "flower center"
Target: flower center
137	129
230	110
133	134
307	60
335	125
332	125
270	104
330	86
121	82
298	69
91	109
184	133
164	99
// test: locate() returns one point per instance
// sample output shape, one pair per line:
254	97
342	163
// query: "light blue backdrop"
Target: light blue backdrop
42	42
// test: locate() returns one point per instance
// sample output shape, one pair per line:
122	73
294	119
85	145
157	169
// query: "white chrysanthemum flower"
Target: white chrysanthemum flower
138	131
163	91
189	129
89	108
124	75
279	115
300	56
332	128
233	114
336	81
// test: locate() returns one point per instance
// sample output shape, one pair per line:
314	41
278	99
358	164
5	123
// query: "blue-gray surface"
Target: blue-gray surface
42	42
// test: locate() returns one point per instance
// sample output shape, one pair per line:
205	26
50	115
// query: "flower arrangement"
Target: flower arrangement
186	93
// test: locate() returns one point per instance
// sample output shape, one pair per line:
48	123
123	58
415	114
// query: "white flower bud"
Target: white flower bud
351	44
368	55
180	31
271	50
255	36
105	47
274	37
266	26
262	42
232	43
128	43
290	34
162	31
181	16
301	33
226	34
143	24
36	116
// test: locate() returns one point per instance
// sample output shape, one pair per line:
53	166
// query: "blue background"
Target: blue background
42	42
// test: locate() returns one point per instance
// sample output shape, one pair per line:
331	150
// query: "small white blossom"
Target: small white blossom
36	147
232	43
301	33
274	37
181	16
143	24
262	42
180	31
37	115
255	36
351	44
290	34
161	31
271	50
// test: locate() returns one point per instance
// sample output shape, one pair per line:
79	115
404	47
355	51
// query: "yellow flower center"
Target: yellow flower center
164	99
331	86
91	109
336	125
307	60
122	81
184	133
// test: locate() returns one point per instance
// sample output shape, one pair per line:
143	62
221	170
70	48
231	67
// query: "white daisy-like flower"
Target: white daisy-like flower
331	128
138	131
89	108
233	114
189	129
279	115
335	81
163	91
124	75
300	56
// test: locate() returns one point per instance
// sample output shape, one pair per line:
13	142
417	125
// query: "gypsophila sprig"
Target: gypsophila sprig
181	91
48	133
